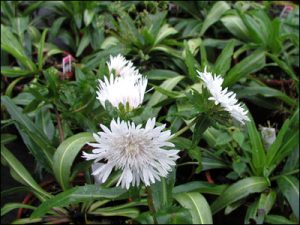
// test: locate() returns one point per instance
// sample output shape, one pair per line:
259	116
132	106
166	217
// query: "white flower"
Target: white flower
121	66
268	135
122	89
227	99
95	166
138	152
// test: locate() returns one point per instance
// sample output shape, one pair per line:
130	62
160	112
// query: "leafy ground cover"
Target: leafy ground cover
197	101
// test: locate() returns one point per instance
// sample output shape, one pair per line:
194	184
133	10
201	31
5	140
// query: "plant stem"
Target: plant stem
151	205
184	129
285	174
60	129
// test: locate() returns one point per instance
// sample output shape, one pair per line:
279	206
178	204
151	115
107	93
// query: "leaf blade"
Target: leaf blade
197	205
65	155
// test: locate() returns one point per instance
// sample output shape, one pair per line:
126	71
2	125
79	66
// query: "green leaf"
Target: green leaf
79	194
191	64
230	208
88	15
200	127
289	145
257	32
277	219
168	84
11	86
15	71
239	190
6	138
170	94
258	152
127	28
10	44
267	92
284	66
65	155
22	173
197	205
41	50
19	25
164	32
289	186
250	64
222	139
44	122
11	206
195	154
14	190
212	163
189	7
53	31
27	221
84	42
223	62
39	146
265	204
235	25
199	186
285	140
172	215
215	13
251	214
160	74
128	212
162	191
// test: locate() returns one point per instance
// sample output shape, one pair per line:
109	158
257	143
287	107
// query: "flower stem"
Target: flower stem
184	129
59	125
151	205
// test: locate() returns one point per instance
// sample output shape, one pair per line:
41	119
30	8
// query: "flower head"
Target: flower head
121	66
227	99
137	151
122	90
268	135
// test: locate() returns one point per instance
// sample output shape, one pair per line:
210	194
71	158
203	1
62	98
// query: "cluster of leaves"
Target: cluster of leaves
55	114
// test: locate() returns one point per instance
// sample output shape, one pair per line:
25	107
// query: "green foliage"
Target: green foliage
251	45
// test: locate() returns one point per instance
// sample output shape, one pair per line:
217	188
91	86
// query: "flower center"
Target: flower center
132	146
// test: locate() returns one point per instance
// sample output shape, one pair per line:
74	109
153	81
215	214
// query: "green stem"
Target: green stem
285	174
151	205
184	129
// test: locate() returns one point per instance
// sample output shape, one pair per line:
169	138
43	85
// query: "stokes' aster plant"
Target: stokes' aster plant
135	150
138	152
226	99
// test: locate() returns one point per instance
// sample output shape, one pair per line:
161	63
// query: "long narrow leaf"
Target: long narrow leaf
65	155
22	173
257	148
79	194
41	49
289	186
239	190
197	205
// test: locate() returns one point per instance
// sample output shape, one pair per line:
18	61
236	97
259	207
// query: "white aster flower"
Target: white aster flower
138	152
121	66
227	99
122	89
268	135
